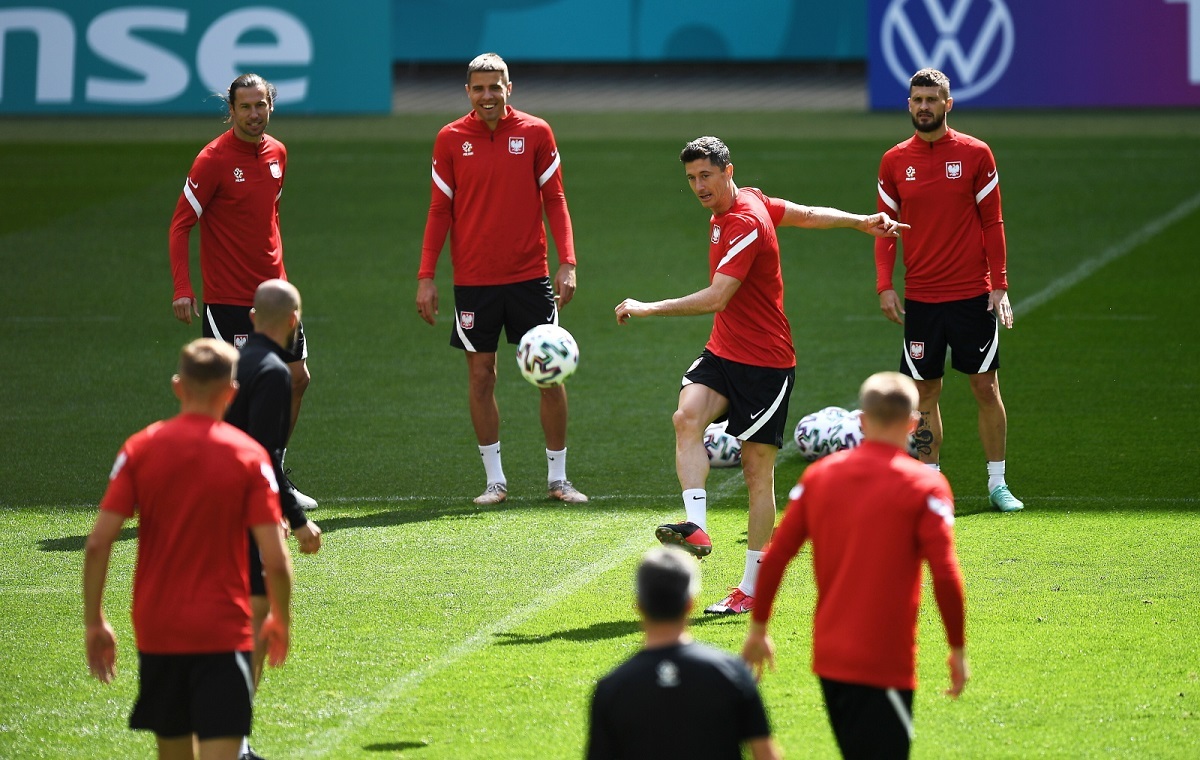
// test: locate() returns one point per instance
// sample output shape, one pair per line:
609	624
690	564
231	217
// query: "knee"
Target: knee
687	423
986	389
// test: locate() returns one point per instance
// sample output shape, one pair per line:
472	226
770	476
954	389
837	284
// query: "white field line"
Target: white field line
1108	255
330	740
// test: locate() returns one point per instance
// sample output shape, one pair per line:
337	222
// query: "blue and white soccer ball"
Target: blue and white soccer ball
826	431
723	449
547	355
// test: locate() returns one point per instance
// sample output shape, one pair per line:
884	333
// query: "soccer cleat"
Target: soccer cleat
495	493
687	536
564	491
1003	500
737	603
305	502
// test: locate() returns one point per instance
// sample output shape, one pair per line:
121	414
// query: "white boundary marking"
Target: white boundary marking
1108	255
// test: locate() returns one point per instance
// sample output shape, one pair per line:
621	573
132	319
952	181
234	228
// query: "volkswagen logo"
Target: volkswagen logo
972	41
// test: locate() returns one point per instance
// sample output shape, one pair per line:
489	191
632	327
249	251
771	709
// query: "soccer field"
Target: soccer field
430	628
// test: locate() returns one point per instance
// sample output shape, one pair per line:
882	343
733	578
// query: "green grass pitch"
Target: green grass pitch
428	628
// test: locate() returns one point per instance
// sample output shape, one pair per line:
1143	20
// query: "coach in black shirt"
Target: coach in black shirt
263	408
676	698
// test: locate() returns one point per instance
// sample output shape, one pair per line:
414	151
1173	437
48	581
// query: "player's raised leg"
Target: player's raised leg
698	406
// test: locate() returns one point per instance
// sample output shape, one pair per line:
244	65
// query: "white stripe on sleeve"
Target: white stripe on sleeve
987	189
738	248
546	175
187	193
441	183
888	199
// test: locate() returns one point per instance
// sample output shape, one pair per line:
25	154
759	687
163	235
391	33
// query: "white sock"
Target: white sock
935	466
750	577
491	463
245	748
695	503
556	465
995	475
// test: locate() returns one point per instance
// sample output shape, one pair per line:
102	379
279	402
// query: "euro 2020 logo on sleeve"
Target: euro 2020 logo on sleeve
972	41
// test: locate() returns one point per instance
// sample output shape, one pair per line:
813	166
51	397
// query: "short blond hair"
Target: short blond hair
208	363
888	397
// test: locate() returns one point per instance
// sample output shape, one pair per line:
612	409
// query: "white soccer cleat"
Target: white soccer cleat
495	493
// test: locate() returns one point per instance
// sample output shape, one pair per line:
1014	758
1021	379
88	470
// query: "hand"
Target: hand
882	225
101	644
630	308
309	538
427	300
998	302
960	673
184	308
564	284
274	633
889	304
758	649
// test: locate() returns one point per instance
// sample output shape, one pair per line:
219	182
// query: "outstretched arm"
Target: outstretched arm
822	218
712	299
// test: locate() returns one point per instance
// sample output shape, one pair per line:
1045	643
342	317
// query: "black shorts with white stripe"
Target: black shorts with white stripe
867	721
758	396
966	328
210	695
481	311
232	324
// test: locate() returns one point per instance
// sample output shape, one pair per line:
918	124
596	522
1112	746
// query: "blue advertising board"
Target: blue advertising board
627	31
1022	53
81	56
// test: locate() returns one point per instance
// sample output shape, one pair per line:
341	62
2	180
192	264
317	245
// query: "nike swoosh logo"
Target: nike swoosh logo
992	173
697	498
734	240
755	415
193	184
985	345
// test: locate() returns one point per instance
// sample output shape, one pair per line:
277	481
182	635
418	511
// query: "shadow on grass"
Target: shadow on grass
76	543
614	629
373	520
394	746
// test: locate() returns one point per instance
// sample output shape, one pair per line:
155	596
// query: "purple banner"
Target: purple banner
1013	53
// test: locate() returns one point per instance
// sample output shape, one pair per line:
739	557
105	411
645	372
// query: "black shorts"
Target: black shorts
867	721
758	396
232	324
967	328
258	581
210	695
481	310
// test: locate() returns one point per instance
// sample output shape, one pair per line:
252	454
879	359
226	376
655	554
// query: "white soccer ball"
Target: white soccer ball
547	355
815	432
723	449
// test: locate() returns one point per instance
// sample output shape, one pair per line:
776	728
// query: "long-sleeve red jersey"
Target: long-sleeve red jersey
949	191
233	191
489	190
874	515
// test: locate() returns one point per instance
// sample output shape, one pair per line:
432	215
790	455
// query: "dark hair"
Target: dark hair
930	78
706	147
488	62
666	581
250	80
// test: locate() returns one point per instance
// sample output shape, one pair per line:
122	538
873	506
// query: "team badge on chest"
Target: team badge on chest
953	169
716	233
276	172
516	145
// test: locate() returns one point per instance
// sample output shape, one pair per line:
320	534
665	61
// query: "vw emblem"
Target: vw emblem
972	42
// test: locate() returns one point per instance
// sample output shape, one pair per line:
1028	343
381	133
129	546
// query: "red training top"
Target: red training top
488	191
233	190
949	191
197	485
873	514
753	328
